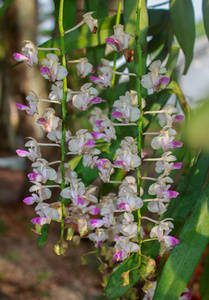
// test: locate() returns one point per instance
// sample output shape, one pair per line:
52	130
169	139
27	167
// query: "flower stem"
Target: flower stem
64	112
139	138
115	58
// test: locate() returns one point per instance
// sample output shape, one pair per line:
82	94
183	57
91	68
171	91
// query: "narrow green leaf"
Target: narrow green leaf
114	288
83	38
143	24
42	238
204	286
69	13
184	258
183	23
205	11
4	7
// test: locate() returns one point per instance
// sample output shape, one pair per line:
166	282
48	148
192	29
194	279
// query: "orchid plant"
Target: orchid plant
118	198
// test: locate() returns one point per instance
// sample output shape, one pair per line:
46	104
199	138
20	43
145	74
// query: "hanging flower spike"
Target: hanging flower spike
120	39
90	22
154	79
30	54
52	69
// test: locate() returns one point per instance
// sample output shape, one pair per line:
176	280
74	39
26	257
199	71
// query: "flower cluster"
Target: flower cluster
109	219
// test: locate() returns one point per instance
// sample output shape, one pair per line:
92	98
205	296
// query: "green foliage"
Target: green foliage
205	10
114	288
42	238
69	13
184	258
83	38
4	7
204	287
183	23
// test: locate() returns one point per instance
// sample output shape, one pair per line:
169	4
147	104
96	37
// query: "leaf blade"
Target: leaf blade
183	23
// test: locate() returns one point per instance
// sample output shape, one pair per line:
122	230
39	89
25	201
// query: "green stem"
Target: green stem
115	56
139	138
64	112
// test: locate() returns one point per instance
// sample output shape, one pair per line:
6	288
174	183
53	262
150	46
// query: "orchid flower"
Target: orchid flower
120	39
30	55
154	79
86	98
51	69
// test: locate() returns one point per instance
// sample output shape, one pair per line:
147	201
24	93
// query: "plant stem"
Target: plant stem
61	30
115	58
139	138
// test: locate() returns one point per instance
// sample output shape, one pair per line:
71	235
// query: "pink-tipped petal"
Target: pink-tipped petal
20	57
175	145
29	200
89	144
94	211
22	153
96	222
98	135
117	114
22	107
177	165
39	220
164	80
95	100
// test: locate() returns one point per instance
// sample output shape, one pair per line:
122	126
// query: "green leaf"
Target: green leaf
114	288
172	60
184	258
205	11
143	25
83	38
204	286
158	18
180	207
42	238
69	13
100	8
174	88
183	23
189	190
4	7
